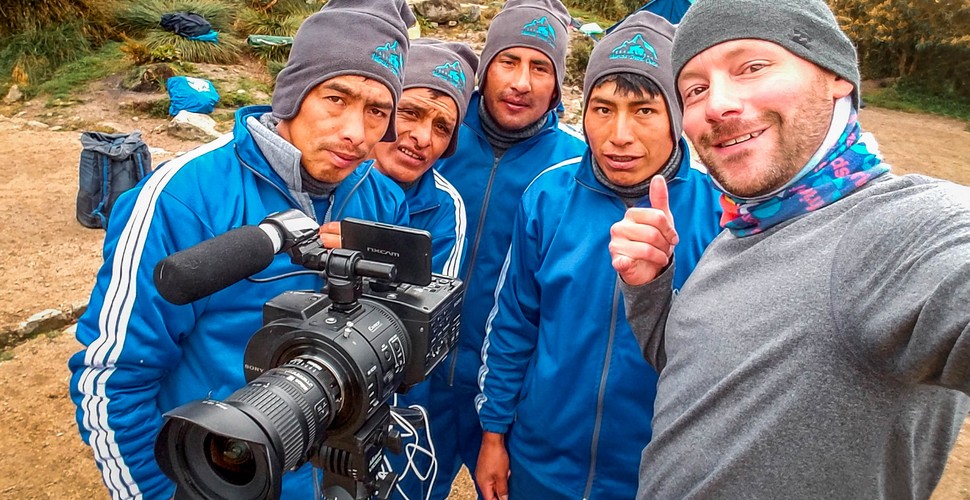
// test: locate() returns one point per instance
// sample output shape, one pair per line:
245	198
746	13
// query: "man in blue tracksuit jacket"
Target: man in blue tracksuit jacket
567	398
438	84
144	356
510	134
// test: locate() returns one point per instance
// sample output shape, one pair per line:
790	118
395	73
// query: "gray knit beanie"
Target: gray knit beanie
535	24
347	37
806	28
447	67
640	45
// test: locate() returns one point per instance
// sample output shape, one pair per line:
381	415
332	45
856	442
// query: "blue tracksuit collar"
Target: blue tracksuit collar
422	196
251	156
585	176
474	122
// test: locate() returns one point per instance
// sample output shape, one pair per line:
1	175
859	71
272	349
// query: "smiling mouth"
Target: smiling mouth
621	159
411	154
740	139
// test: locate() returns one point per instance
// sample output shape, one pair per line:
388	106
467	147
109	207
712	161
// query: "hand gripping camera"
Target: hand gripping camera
320	370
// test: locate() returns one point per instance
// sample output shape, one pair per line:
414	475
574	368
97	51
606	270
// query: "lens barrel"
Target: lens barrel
238	448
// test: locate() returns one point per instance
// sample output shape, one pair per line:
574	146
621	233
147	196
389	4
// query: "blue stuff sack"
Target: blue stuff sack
110	165
191	94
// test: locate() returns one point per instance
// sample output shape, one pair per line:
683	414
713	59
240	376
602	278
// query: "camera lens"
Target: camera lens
231	459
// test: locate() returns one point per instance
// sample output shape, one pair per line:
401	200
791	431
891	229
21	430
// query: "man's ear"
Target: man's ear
841	88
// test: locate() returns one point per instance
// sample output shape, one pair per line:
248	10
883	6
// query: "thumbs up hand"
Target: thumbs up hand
641	244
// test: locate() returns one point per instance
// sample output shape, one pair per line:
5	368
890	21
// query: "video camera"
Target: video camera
322	367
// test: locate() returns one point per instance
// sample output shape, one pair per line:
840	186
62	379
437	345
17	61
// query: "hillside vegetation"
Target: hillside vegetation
918	50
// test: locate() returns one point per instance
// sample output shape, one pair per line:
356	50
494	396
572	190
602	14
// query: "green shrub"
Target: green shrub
31	57
259	22
165	45
286	7
910	96
74	76
19	16
577	59
609	9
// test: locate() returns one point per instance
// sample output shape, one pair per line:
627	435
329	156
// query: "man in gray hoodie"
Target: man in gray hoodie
821	347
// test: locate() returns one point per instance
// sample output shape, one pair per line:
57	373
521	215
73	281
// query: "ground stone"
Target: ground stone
193	127
13	95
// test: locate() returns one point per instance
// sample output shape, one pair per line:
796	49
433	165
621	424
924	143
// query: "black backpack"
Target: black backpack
110	165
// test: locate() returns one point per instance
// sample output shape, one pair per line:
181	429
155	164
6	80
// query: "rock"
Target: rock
438	11
471	12
158	152
55	128
109	127
45	321
36	124
149	78
193	127
78	308
13	95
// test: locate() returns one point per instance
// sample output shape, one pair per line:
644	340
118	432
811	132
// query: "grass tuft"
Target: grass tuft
30	58
904	97
173	47
74	76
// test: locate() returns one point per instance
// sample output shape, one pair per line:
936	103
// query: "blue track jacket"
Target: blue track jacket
491	191
145	356
435	206
562	374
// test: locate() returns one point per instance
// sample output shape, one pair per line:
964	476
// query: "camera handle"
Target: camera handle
344	268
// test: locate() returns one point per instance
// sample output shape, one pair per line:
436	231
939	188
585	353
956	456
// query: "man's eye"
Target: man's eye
695	91
754	68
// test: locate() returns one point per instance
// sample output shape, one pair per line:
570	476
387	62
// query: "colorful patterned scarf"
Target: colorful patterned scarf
845	167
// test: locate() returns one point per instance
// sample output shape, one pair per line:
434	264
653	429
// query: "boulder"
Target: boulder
150	78
193	127
471	12
13	95
437	11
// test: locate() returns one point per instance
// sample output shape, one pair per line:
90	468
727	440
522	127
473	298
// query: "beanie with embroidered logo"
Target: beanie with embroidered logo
323	49
448	67
641	46
533	24
806	28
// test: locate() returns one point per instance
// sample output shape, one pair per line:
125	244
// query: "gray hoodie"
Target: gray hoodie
828	357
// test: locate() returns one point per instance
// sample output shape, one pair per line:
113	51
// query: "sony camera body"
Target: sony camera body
390	343
319	371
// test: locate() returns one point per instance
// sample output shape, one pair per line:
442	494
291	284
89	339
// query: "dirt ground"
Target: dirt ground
47	260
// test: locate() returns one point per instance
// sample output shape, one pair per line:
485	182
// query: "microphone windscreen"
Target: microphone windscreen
214	264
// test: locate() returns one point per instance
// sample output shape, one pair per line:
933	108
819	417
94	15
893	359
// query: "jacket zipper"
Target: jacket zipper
471	261
594	445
